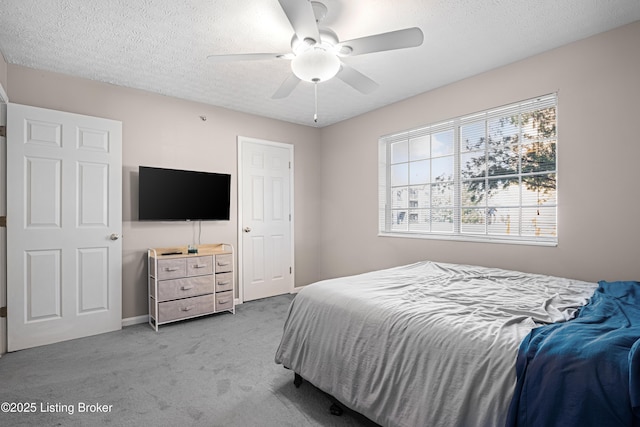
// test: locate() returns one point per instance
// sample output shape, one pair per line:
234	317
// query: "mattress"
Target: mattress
427	344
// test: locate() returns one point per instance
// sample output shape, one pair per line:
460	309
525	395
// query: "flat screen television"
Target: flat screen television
182	195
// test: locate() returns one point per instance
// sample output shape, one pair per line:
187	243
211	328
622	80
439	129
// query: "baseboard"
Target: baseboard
130	321
294	291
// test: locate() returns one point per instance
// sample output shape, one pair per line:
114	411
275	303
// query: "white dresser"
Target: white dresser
183	285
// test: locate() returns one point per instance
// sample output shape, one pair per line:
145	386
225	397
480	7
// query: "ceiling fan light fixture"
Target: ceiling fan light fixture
315	65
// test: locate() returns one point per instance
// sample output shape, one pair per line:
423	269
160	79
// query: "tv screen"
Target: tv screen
182	195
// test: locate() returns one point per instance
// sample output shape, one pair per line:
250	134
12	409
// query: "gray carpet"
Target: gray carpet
212	371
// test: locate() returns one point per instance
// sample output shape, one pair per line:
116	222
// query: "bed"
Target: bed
427	344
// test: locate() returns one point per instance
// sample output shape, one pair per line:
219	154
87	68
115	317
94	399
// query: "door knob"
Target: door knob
247	229
114	236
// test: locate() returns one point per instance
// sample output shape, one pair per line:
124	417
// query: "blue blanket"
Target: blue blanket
585	372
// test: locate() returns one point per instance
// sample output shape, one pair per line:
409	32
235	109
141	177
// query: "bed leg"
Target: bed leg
297	380
336	409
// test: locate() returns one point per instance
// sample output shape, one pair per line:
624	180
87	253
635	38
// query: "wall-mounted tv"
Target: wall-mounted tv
182	195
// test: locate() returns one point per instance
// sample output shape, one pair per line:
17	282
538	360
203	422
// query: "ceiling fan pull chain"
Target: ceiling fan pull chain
315	90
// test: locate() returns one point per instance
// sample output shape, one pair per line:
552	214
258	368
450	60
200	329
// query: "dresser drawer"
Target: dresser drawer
224	301
185	287
224	282
224	263
200	265
171	268
188	307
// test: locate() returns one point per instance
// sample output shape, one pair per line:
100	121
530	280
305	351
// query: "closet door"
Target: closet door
266	218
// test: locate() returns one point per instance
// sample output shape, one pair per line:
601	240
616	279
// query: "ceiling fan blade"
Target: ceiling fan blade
286	87
246	57
400	39
356	79
302	19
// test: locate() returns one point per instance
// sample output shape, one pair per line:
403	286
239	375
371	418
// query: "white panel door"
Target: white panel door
3	212
64	219
266	222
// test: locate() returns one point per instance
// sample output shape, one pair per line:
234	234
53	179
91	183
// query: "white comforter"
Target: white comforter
428	344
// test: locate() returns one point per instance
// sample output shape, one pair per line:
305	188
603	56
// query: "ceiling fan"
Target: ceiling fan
316	51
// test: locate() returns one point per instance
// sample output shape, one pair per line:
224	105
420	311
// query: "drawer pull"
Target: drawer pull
224	301
226	282
199	265
223	263
186	288
187	308
171	268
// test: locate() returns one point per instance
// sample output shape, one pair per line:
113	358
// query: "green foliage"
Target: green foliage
515	144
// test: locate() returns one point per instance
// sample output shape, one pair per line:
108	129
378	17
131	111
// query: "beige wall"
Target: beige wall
336	197
168	132
3	72
598	84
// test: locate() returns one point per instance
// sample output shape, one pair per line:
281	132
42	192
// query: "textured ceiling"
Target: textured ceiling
162	45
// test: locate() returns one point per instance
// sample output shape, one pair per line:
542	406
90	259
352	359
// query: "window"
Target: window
486	176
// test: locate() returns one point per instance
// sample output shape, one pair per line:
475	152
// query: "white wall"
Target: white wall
598	85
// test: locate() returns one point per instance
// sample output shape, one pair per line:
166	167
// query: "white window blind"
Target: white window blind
486	176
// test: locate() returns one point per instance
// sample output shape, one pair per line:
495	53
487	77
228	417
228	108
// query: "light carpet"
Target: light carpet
213	371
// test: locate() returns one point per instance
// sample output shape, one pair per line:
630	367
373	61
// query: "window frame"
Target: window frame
386	189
